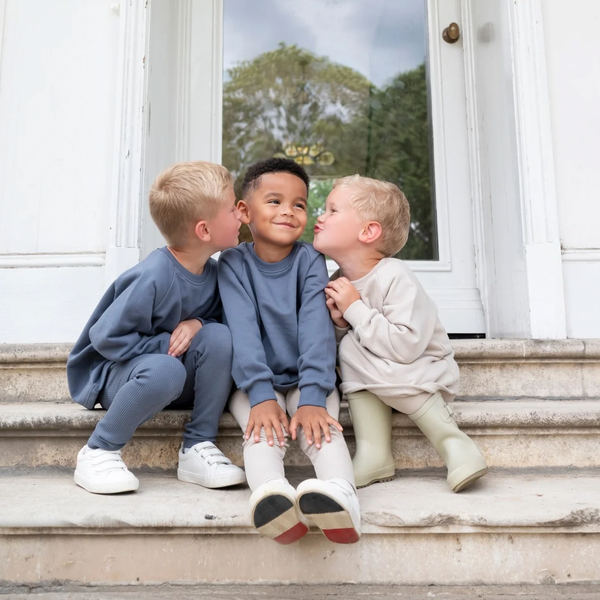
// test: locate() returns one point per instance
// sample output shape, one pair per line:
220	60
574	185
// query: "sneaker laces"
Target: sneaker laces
212	455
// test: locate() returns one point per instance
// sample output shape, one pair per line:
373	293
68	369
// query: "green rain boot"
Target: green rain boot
458	451
372	422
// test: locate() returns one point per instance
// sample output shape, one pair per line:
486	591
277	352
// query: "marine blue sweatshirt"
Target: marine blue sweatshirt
281	329
137	315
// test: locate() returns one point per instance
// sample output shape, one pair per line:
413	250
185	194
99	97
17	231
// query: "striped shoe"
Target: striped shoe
274	513
332	506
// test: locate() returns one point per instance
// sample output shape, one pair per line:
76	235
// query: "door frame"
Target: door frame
526	243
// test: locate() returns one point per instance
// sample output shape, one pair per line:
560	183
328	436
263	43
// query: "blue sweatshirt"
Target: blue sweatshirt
137	315
281	329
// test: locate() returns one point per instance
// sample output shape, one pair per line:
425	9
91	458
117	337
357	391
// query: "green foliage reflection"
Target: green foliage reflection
292	102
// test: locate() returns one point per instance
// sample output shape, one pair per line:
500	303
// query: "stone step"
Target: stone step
513	526
521	433
567	369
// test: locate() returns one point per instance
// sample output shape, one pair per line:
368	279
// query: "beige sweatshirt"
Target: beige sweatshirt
396	346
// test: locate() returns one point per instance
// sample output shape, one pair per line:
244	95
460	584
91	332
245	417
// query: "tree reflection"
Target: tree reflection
292	102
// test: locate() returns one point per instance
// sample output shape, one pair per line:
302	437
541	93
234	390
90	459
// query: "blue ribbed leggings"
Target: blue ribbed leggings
139	388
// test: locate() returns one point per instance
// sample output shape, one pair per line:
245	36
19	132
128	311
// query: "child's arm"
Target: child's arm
403	329
250	370
124	329
316	362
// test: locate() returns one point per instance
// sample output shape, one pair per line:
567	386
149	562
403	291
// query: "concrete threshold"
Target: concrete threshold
526	527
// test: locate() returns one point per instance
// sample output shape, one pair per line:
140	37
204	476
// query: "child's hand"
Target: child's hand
336	313
313	419
269	415
182	336
343	293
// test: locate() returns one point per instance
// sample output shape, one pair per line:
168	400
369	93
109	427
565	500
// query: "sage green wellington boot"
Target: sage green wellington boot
372	422
458	451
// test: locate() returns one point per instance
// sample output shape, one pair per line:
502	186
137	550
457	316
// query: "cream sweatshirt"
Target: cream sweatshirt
396	346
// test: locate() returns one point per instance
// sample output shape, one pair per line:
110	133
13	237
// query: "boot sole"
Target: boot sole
469	480
377	476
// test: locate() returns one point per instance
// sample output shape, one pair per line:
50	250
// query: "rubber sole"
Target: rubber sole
222	482
275	516
105	488
329	516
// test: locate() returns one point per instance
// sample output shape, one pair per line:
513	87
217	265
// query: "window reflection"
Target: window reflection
340	87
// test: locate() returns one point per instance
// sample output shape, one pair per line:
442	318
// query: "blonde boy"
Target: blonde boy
155	340
394	351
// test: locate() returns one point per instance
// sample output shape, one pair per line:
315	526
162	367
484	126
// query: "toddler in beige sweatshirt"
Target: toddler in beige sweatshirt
393	350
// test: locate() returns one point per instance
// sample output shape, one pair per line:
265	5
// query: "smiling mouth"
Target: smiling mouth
290	225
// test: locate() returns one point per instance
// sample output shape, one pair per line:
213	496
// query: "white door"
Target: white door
341	86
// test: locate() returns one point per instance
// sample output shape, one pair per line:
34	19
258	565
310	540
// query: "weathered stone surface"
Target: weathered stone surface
489	368
531	433
510	527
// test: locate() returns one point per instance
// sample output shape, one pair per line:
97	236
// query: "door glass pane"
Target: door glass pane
341	87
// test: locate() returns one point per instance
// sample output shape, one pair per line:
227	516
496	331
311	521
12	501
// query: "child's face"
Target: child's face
338	228
276	211
225	226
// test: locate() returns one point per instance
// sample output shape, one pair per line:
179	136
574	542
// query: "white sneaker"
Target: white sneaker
274	512
104	472
332	506
206	465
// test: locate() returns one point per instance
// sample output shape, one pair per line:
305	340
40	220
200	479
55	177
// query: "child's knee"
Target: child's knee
218	341
164	373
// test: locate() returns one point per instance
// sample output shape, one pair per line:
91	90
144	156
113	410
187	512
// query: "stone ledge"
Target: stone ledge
489	369
510	527
527	433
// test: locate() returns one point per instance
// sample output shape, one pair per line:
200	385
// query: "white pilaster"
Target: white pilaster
124	243
538	202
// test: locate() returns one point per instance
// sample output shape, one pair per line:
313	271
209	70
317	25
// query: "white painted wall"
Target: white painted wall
572	50
57	86
57	119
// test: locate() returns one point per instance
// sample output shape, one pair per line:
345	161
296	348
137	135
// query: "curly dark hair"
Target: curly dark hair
271	165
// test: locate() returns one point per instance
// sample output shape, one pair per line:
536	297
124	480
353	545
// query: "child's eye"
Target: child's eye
273	201
301	206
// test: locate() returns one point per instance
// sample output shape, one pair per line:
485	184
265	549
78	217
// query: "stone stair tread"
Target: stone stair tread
481	413
547	500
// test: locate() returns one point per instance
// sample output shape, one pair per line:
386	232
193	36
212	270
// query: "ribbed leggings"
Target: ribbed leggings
139	388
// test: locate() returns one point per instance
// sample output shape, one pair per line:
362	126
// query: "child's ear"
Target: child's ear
202	232
244	209
370	233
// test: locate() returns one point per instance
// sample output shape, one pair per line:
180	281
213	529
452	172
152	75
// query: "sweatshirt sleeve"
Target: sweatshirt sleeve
250	370
316	339
125	329
402	331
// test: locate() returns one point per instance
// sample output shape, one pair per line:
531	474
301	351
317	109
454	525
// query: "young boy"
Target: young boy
394	352
154	339
284	360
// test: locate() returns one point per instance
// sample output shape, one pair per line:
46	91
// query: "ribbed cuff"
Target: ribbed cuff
356	313
261	391
313	395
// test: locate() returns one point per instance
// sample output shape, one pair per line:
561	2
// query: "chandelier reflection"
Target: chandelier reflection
307	155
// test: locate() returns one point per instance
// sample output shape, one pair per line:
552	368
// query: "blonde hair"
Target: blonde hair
383	202
186	193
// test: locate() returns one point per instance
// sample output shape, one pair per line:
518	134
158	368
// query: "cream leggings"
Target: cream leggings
263	462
